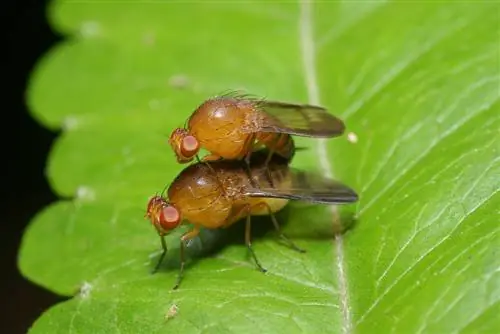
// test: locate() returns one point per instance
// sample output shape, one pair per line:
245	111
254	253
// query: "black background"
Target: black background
26	36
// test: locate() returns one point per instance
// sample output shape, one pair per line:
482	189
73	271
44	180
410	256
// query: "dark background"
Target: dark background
26	37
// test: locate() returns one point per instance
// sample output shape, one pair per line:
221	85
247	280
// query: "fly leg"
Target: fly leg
236	214
249	242
185	237
207	158
162	256
281	234
248	148
275	142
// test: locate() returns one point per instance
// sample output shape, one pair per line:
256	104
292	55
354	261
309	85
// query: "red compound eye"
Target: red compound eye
184	145
190	146
169	218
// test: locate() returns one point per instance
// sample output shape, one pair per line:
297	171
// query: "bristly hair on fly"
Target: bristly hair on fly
241	95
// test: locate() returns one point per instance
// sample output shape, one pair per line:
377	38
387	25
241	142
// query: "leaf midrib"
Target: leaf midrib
308	53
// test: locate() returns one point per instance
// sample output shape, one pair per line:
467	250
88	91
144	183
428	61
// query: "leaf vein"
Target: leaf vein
425	153
308	51
395	72
410	268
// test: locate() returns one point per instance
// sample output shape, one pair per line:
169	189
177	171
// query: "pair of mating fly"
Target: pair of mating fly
238	179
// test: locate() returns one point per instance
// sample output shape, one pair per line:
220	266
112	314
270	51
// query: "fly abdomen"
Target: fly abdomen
280	143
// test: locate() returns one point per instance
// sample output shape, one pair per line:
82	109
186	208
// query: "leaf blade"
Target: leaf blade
424	109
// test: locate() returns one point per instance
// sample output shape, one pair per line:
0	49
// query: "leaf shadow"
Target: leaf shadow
212	241
306	228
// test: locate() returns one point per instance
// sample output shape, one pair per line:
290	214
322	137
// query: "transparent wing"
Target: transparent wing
299	119
296	184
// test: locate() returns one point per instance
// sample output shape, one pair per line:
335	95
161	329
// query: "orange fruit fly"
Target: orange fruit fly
216	194
232	126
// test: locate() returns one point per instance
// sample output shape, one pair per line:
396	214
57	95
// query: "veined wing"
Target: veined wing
296	184
299	119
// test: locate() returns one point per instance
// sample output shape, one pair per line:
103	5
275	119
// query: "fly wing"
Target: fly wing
296	184
299	119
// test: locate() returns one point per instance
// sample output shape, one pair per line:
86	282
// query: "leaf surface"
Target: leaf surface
417	85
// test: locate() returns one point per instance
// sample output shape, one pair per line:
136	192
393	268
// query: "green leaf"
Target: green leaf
418	86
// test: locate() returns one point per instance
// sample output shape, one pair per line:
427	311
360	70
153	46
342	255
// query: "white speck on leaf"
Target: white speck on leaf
90	29
85	193
352	137
70	123
85	290
172	312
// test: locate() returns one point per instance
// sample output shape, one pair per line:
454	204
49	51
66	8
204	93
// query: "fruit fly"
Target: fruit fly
232	126
216	194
